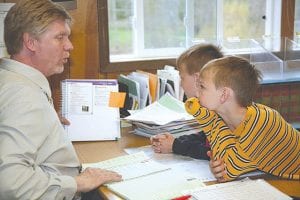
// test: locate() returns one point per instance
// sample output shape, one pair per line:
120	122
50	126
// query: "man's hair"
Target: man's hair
197	56
33	17
236	73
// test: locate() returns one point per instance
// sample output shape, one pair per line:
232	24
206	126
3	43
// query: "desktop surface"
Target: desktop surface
96	151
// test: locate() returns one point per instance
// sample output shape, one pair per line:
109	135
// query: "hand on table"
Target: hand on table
217	167
162	143
92	178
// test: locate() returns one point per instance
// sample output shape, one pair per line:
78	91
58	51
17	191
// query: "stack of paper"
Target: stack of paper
165	115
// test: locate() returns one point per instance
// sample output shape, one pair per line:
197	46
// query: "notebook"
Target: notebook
86	103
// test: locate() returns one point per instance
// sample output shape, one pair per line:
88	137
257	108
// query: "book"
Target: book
130	166
86	104
144	178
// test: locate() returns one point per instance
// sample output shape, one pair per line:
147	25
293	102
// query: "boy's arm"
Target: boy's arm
193	145
223	141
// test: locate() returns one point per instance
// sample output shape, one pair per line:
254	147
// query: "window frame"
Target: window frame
106	66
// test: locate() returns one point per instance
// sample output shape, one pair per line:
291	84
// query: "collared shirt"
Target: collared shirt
37	160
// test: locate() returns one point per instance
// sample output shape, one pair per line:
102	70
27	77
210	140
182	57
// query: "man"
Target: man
37	161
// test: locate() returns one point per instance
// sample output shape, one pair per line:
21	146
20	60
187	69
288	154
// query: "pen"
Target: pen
185	197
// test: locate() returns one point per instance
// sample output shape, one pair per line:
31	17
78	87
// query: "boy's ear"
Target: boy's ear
29	42
225	95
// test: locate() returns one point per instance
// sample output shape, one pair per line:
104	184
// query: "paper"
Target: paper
240	190
117	99
190	167
170	81
159	186
130	166
143	81
85	103
153	84
133	91
168	109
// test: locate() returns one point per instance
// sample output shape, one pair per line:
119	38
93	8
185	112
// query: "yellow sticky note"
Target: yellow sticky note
117	99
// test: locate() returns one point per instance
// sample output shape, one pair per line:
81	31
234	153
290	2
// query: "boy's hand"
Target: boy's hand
217	167
162	143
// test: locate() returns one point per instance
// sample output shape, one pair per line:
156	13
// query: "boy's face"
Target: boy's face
207	93
188	82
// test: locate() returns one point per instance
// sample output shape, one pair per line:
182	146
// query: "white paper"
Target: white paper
85	103
159	186
161	113
240	190
130	166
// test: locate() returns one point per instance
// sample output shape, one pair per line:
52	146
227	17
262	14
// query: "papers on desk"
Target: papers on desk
159	186
167	109
192	168
189	167
165	115
130	166
240	190
144	178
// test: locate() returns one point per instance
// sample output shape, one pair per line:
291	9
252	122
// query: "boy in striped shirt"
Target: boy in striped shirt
244	136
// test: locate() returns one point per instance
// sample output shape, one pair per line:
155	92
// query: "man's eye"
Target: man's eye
60	37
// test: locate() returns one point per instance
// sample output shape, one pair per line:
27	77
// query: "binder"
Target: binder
85	103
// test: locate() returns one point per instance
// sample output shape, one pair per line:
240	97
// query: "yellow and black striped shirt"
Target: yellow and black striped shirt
263	140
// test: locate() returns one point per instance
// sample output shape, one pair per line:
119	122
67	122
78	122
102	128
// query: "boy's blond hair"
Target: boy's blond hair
197	56
236	73
33	17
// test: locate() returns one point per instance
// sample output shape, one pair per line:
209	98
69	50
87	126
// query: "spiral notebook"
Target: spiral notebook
86	104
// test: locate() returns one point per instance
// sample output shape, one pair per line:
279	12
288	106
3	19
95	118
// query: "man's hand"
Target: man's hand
217	167
92	178
162	143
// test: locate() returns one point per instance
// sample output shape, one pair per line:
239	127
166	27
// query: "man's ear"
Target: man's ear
29	42
225	95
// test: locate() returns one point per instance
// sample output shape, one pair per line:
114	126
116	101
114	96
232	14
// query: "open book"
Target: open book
144	178
130	166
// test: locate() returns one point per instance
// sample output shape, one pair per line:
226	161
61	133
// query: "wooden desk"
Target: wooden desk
102	150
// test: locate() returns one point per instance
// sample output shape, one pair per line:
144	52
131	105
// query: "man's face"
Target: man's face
52	48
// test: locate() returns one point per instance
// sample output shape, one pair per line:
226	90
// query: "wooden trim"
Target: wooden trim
287	18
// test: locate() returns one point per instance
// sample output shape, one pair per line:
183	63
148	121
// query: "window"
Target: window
297	21
162	29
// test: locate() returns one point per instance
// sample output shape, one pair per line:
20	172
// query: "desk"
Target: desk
103	150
